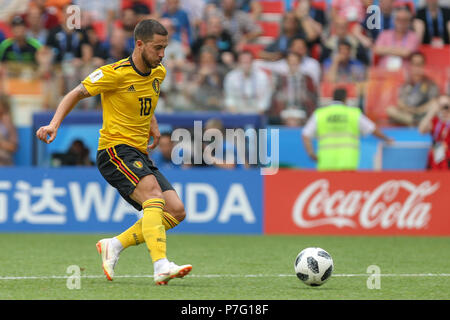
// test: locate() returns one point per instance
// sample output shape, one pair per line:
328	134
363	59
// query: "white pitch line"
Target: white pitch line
227	276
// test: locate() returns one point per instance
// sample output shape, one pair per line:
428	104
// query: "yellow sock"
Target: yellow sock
132	236
153	229
169	221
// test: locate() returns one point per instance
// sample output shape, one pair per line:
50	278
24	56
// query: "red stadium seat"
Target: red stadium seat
100	29
381	91
254	48
440	75
270	29
6	29
319	4
438	57
272	6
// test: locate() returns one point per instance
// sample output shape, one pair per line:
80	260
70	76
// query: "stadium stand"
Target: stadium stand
45	85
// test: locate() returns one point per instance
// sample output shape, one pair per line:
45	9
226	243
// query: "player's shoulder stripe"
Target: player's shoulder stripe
121	63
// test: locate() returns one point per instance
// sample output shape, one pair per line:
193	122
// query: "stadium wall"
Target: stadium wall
238	201
408	153
79	200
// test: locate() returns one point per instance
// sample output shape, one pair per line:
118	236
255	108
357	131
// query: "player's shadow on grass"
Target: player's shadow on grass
316	289
138	282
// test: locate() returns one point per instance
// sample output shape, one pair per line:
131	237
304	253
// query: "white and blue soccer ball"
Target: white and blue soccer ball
313	266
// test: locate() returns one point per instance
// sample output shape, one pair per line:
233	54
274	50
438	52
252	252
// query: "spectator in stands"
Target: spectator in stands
437	123
177	66
93	52
129	21
395	46
342	68
366	33
247	89
65	42
294	90
308	65
195	10
222	38
252	7
49	17
102	13
205	85
142	8
312	20
175	54
230	149
340	31
35	25
292	118
432	24
162	156
8	133
414	95
239	24
290	29
58	7
19	48
12	7
338	139
180	20
116	46
77	155
350	10
93	55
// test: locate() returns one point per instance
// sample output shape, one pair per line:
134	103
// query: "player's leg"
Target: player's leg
172	215
149	193
173	211
115	165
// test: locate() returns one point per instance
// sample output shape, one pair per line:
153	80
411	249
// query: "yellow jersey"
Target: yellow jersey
129	98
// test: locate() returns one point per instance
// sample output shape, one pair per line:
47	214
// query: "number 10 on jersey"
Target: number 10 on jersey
146	106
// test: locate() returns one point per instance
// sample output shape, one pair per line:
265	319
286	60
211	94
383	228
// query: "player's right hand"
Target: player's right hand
46	133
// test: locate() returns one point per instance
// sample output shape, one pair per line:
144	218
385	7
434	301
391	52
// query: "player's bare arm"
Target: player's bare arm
154	132
48	133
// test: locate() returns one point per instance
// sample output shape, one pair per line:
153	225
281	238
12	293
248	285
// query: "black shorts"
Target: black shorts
123	166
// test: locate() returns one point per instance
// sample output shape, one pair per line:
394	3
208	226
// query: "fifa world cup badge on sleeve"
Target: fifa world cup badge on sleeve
96	75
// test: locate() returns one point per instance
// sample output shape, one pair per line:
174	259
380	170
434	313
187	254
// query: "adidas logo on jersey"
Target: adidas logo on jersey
131	89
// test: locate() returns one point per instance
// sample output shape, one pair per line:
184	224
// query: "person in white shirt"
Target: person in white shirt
308	65
247	89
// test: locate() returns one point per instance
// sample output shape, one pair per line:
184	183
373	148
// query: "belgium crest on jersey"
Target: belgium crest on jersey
155	85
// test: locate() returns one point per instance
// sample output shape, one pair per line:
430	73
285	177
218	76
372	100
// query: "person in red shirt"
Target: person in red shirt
437	123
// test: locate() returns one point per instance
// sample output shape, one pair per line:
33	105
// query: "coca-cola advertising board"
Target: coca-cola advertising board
357	203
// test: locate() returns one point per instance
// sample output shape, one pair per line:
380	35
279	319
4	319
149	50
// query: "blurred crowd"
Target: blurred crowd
236	55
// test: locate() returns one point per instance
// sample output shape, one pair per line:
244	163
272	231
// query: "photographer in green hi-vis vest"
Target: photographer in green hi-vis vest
337	128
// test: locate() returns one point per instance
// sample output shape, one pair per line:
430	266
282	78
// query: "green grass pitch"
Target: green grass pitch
231	267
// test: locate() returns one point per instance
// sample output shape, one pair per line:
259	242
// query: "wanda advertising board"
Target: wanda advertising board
357	203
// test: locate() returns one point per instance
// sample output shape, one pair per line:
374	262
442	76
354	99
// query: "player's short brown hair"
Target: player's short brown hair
145	30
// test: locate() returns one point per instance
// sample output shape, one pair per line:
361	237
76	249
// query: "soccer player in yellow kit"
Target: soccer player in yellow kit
129	92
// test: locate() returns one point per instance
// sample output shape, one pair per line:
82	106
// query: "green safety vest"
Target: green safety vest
338	137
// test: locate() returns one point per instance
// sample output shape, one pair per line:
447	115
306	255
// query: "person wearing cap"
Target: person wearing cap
338	128
20	47
437	123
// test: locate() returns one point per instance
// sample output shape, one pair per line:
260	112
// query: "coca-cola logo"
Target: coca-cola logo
394	203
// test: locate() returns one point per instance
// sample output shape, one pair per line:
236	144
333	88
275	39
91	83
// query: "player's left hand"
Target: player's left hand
154	132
